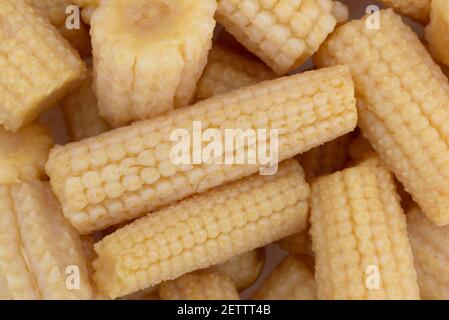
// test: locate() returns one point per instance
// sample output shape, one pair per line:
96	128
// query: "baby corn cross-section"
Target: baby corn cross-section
125	173
359	237
402	99
203	230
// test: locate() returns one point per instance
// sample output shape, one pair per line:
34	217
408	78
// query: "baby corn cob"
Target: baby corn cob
128	172
283	33
81	112
39	249
431	254
148	55
291	280
437	31
203	230
298	243
416	9
229	69
37	65
199	285
402	96
359	237
243	269
23	154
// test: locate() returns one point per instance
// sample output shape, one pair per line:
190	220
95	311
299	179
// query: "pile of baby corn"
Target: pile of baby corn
359	203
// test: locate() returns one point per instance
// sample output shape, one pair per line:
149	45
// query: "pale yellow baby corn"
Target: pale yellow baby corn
127	172
431	255
298	243
283	33
291	280
402	97
199	285
437	31
41	255
359	237
23	154
203	230
148	55
243	269
228	69
88	7
81	112
418	10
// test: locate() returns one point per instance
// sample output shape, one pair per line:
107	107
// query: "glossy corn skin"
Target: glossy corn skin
291	280
401	97
203	230
38	245
228	69
429	245
282	33
23	154
437	31
418	10
80	109
127	172
359	235
199	285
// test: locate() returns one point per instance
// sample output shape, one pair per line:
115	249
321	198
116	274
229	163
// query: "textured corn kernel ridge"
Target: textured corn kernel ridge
40	249
282	33
244	269
149	55
436	31
81	112
23	154
199	285
38	65
418	10
297	244
202	231
127	172
359	232
402	96
431	254
228	69
55	11
291	280
327	158
341	12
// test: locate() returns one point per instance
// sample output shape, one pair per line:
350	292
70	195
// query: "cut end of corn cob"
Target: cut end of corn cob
203	230
284	34
149	55
38	66
437	31
23	154
127	172
199	285
359	237
418	10
401	96
291	280
41	256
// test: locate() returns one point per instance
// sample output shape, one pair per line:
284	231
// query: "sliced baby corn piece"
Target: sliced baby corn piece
437	31
149	55
298	243
359	237
402	96
38	66
59	12
431	255
41	255
283	33
81	112
203	230
228	69
125	173
243	269
199	285
23	154
291	280
418	10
